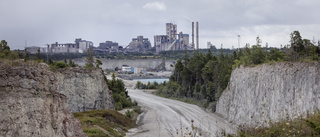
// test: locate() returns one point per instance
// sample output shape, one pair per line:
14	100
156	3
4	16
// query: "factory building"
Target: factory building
209	45
161	42
108	45
172	40
80	46
171	31
139	44
84	46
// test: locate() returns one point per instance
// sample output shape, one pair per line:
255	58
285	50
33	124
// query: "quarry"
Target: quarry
35	97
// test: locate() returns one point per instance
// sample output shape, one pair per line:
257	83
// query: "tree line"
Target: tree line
203	77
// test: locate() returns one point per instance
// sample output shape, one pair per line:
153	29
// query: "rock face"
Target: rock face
257	95
35	101
31	106
86	89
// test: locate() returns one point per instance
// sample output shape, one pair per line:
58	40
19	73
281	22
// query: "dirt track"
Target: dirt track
163	117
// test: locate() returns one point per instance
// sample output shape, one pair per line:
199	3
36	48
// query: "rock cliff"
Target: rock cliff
31	106
35	101
86	89
257	95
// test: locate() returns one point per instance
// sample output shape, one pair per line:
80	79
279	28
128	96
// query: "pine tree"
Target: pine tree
89	58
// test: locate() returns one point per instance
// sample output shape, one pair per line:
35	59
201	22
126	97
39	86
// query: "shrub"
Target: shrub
137	109
129	114
60	64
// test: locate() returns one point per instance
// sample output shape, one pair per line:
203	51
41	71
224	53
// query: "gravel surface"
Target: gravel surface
167	117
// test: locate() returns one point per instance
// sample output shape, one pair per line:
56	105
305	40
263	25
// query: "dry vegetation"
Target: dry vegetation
299	127
111	121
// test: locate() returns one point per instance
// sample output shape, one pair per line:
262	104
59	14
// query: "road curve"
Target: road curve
163	117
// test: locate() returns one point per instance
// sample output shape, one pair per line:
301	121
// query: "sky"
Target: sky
40	22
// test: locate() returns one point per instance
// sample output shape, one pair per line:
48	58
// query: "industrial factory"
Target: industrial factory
139	44
80	46
172	41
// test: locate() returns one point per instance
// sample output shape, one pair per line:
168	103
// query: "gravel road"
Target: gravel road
164	117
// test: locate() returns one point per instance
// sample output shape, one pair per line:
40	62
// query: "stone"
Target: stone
256	95
39	102
46	114
86	90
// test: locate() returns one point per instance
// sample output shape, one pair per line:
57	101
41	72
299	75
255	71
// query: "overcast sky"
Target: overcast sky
47	21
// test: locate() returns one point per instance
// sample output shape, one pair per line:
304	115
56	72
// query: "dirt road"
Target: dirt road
164	117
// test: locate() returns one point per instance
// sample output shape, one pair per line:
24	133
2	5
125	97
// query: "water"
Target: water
159	80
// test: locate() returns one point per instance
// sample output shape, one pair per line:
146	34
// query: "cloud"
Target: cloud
103	20
159	6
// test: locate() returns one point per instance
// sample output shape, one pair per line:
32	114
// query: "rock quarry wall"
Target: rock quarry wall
31	106
257	95
86	89
140	63
35	101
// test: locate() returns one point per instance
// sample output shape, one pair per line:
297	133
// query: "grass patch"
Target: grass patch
309	126
94	132
7	63
110	120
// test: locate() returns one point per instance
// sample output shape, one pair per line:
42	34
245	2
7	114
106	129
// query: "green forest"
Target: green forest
201	79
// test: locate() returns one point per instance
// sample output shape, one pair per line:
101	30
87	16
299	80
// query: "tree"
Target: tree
275	54
26	57
257	55
207	71
196	92
38	56
209	56
90	60
50	62
258	40
177	71
234	55
296	42
196	64
186	79
98	63
211	91
4	46
5	51
185	58
119	93
70	62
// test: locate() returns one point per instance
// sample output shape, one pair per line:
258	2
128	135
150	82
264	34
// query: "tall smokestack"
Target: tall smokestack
192	44
197	34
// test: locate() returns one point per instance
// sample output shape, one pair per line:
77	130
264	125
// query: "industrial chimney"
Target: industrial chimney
192	44
197	34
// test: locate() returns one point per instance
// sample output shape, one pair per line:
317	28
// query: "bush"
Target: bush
137	109
140	85
129	114
119	93
60	64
